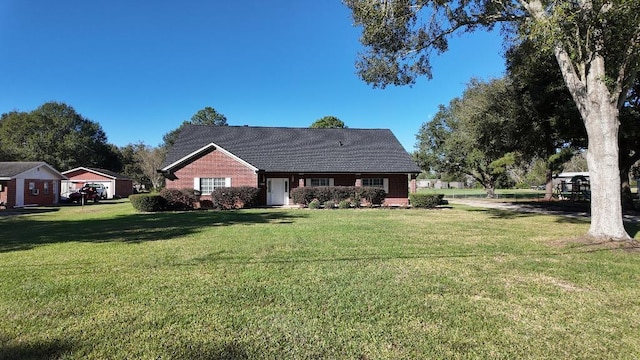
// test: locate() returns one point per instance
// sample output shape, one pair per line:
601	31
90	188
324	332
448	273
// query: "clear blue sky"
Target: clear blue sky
139	68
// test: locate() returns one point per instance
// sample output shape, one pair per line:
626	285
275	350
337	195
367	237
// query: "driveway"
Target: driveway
553	208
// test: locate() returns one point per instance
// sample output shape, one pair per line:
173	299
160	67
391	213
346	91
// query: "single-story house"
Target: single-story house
116	185
29	184
278	159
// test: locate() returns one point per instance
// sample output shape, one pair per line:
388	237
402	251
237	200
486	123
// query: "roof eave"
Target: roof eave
91	170
203	149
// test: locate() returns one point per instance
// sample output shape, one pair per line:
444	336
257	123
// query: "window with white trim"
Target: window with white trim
373	182
208	185
319	182
382	183
45	188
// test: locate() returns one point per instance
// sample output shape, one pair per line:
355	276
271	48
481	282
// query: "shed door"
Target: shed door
277	191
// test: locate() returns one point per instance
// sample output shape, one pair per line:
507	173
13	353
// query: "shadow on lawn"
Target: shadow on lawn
54	349
23	233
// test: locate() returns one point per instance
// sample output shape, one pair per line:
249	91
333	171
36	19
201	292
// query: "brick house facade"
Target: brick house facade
29	183
276	160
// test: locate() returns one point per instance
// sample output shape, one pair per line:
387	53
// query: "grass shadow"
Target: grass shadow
24	233
54	349
217	351
28	211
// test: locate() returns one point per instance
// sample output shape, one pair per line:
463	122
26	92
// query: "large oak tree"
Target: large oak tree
596	44
57	134
477	134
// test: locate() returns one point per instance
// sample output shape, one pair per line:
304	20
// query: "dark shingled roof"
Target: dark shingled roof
12	168
308	150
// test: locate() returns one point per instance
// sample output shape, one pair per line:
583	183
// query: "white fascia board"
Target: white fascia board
5	178
72	170
91	171
49	167
205	148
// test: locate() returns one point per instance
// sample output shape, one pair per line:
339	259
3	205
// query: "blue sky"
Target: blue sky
139	68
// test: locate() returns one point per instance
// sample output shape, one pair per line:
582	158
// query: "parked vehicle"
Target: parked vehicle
100	189
89	192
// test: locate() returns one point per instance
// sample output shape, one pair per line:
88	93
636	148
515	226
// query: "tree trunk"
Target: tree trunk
599	111
491	192
602	126
548	193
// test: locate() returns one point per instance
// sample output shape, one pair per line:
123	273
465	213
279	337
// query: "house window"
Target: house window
320	182
33	189
373	182
208	185
45	188
382	183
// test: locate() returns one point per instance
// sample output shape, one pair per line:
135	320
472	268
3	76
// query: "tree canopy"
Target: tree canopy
477	134
596	44
205	116
328	122
57	134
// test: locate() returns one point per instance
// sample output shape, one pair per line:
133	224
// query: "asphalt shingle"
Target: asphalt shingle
277	149
13	168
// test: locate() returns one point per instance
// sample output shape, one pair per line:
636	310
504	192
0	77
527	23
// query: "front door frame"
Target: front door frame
277	191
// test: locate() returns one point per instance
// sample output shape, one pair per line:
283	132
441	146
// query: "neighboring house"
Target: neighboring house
116	185
277	160
29	184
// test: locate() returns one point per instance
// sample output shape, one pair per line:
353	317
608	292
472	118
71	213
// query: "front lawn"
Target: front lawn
103	281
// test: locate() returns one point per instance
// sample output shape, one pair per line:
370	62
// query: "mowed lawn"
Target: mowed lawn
105	282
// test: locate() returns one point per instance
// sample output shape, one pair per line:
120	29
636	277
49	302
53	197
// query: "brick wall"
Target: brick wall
124	188
213	165
4	192
44	196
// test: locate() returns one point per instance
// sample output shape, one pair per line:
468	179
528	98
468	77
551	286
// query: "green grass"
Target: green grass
105	282
510	194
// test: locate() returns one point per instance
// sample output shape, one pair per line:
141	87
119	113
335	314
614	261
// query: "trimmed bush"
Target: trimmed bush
373	196
425	200
235	197
184	199
328	205
314	204
344	204
147	202
304	195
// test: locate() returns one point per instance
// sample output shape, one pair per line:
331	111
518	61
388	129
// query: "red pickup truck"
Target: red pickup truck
88	192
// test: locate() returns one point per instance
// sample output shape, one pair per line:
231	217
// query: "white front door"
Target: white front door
277	191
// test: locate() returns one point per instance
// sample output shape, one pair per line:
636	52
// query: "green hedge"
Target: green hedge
305	195
147	202
184	199
425	200
235	197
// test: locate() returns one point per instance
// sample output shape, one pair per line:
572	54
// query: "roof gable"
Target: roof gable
12	169
302	150
103	172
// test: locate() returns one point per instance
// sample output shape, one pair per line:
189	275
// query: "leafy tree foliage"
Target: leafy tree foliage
206	116
554	127
141	162
57	134
328	122
476	135
596	44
